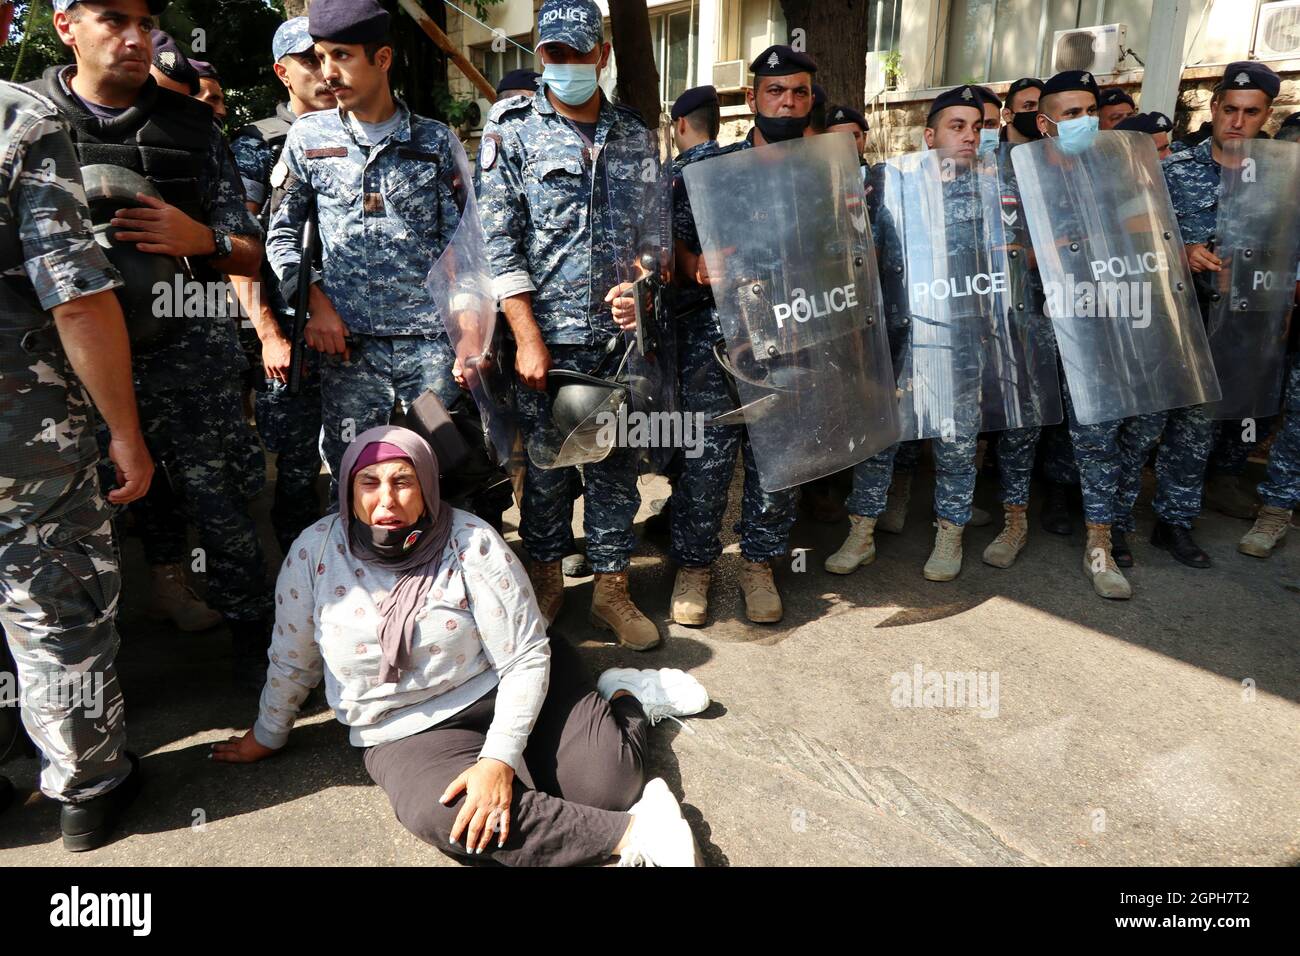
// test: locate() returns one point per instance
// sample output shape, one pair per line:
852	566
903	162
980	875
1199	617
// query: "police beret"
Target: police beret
205	70
1290	121
846	114
1148	123
1070	80
575	23
988	96
957	96
1024	83
1114	95
518	80
692	100
291	36
155	6
780	60
1249	75
172	61
347	21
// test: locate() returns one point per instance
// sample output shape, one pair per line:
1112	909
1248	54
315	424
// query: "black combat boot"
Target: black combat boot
1055	516
87	825
1178	542
1119	549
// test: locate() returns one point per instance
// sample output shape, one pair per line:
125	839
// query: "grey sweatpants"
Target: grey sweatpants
583	769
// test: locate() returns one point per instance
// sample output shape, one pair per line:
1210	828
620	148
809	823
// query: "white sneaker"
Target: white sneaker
666	692
660	836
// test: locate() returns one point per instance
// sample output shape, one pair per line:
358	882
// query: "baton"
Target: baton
303	292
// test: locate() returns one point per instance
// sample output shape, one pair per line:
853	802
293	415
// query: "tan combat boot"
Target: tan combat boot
691	596
1267	532
172	599
612	609
762	601
547	578
859	547
1100	566
945	559
1006	547
900	493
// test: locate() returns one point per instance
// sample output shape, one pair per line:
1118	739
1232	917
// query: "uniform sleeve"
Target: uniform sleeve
504	212
60	255
296	665
229	214
683	216
285	230
253	161
514	639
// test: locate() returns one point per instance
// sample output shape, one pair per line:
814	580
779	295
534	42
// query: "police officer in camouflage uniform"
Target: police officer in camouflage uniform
63	342
553	264
383	183
189	405
289	424
782	101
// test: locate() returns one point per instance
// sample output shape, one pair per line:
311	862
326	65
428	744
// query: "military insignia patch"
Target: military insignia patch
167	58
487	153
279	173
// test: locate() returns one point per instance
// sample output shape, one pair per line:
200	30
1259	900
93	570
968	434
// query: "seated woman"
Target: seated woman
487	737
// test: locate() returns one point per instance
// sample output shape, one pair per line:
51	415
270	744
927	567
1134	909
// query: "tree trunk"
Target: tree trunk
836	36
295	8
638	78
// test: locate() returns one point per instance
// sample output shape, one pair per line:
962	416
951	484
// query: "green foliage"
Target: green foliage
893	63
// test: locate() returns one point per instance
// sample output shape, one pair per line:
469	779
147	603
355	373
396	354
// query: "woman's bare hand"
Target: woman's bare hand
488	787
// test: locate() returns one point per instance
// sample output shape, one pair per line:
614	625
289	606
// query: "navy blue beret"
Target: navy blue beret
347	21
988	96
172	61
846	114
518	80
1292	120
780	60
1113	95
692	100
1070	80
957	96
1148	123
1249	75
1024	83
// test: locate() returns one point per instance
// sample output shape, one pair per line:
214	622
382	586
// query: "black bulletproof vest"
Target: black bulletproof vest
273	131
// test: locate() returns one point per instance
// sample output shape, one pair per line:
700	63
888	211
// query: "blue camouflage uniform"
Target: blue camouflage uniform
59	578
699	499
290	425
537	183
1281	485
386	211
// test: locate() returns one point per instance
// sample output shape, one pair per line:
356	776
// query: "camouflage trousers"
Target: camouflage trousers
1180	465
1136	439
610	495
1281	486
380	372
195	433
954	479
59	585
699	500
290	427
1058	455
1104	453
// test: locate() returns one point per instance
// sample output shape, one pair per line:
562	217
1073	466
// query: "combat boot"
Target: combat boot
1055	516
1226	495
979	518
945	559
1119	549
691	596
1267	533
87	825
900	493
1006	547
1178	541
171	599
859	547
612	609
1099	565
547	578
762	600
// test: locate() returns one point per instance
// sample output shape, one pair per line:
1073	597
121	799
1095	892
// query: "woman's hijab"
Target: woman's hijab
414	552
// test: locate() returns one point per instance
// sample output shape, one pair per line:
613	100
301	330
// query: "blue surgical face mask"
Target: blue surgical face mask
989	140
573	83
1076	135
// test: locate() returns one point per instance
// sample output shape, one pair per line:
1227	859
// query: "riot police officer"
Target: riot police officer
1114	106
1020	109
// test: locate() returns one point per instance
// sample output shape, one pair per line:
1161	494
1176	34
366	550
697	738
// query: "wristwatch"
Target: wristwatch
222	243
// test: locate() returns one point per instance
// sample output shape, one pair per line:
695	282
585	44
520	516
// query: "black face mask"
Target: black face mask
387	544
1026	124
778	129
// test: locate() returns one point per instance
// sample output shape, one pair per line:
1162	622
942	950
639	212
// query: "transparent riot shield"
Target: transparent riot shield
636	174
966	350
1247	312
787	243
1115	277
461	288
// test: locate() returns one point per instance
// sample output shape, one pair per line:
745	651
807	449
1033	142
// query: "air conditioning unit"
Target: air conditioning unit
1095	49
483	106
1277	33
729	75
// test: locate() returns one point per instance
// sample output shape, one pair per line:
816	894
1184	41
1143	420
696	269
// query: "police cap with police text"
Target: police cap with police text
574	23
172	62
1113	96
348	21
1249	75
781	60
692	100
846	114
1152	123
292	36
518	80
957	96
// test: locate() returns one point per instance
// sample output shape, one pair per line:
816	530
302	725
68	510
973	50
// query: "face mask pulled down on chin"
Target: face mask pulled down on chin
778	129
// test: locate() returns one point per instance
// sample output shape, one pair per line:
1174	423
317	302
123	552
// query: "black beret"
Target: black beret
347	21
988	96
819	95
1292	120
1024	83
1148	123
692	100
1070	80
172	61
518	80
1112	95
957	96
1249	75
845	114
780	60
205	69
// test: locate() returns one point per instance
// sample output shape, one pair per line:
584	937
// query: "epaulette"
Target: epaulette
501	107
